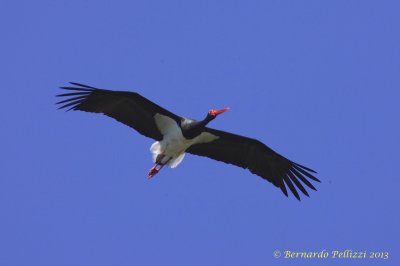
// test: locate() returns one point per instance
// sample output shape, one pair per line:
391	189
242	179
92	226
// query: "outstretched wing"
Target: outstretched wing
258	158
129	108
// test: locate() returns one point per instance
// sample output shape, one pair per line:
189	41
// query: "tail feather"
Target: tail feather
155	150
174	162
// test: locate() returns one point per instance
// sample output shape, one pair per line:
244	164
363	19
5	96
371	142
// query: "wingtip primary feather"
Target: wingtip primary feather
295	166
302	178
71	102
81	85
291	187
72	99
84	93
79	95
284	190
77	89
306	168
297	183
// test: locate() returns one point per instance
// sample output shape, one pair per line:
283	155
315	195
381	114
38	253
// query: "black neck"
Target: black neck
191	129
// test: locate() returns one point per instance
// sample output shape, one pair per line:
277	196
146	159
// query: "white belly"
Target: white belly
174	144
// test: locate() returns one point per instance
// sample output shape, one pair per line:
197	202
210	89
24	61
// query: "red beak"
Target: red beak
218	112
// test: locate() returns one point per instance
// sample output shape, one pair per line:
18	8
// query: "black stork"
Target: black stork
176	135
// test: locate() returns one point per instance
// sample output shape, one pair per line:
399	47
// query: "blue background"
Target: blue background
318	81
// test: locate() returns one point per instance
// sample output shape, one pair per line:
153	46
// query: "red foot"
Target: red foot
153	171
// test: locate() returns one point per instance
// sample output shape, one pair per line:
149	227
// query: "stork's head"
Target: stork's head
212	114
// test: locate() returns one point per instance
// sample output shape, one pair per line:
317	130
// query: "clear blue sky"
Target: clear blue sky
318	81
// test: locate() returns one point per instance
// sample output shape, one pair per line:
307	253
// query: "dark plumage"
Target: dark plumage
138	112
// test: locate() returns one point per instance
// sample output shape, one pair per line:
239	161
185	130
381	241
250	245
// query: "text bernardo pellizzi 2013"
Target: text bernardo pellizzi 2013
333	254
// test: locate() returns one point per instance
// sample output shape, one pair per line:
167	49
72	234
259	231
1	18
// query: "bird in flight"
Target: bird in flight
176	135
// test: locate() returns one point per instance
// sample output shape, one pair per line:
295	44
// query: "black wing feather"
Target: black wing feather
82	85
306	173
298	184
302	178
72	99
138	112
258	158
291	186
129	108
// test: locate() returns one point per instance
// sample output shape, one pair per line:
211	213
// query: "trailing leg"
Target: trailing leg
157	167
